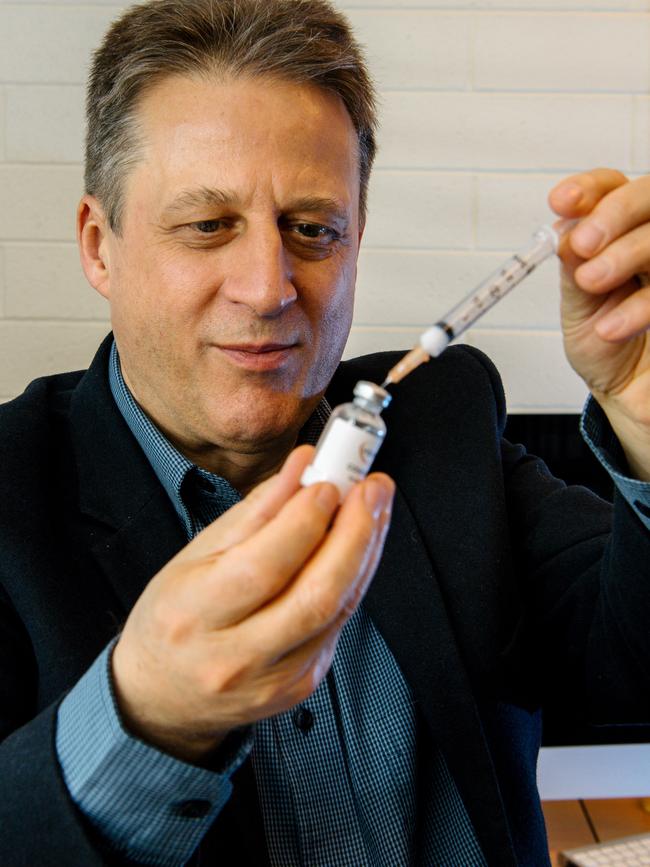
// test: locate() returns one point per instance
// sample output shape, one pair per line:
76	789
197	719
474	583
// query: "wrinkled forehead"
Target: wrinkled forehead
219	131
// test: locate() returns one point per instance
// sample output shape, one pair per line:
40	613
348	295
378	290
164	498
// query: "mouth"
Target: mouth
258	356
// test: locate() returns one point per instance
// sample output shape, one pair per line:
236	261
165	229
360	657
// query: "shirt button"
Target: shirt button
195	809
303	719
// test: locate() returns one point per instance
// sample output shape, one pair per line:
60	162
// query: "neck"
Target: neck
243	469
243	463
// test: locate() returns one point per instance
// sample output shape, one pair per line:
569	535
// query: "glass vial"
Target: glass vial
351	439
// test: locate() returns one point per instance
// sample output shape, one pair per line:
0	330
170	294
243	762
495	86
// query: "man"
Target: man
223	696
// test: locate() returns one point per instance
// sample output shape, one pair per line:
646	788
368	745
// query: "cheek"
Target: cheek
162	289
336	316
338	303
331	317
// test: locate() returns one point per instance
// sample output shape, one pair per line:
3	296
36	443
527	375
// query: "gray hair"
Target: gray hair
300	41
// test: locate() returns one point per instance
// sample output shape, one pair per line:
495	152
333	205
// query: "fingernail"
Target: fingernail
589	236
596	271
376	498
612	325
569	193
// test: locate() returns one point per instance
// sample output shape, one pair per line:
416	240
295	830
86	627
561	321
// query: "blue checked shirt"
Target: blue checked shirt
336	775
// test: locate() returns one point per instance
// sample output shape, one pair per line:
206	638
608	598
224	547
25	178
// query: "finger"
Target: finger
335	576
579	307
299	673
618	263
628	319
358	590
259	687
250	574
257	509
618	213
577	195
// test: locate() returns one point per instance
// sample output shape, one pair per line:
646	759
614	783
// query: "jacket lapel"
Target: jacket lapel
406	604
134	529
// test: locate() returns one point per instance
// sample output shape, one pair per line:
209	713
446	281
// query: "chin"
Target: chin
255	421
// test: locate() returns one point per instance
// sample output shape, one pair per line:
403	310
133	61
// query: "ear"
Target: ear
92	238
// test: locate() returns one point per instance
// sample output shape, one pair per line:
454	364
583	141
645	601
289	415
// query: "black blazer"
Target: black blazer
498	587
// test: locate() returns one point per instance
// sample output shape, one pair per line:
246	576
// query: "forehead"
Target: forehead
246	134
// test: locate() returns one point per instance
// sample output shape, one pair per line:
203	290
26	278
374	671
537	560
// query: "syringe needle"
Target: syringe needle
405	365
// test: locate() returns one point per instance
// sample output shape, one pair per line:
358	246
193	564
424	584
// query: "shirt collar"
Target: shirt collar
170	466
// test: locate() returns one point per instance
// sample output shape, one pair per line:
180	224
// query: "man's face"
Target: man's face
231	283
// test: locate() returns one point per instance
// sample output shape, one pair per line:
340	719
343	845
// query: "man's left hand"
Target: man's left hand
605	299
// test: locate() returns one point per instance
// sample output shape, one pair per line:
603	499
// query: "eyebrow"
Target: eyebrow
201	196
313	204
210	197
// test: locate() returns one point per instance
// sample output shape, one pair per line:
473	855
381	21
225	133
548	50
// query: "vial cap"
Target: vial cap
372	394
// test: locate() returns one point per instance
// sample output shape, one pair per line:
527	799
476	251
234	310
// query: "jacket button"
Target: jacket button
195	809
303	719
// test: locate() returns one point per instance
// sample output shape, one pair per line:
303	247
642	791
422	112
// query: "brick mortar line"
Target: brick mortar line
12	320
451	91
451	252
529	10
350	7
396	169
494	330
114	7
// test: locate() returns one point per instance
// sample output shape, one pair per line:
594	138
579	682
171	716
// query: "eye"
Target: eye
313	230
316	232
207	227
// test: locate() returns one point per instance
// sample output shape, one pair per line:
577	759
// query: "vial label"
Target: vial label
344	457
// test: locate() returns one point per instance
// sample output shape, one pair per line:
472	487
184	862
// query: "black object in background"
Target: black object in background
558	441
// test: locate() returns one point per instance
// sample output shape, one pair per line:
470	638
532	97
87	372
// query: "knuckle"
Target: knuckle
225	677
253	572
318	671
322	605
171	623
269	697
351	602
247	569
309	684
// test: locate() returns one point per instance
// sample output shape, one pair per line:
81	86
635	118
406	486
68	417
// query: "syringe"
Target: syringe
545	242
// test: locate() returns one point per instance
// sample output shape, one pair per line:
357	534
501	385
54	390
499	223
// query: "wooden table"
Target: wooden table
578	823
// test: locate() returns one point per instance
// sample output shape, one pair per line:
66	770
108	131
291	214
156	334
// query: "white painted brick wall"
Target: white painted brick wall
49	43
39	202
485	105
32	271
535	51
44	122
641	134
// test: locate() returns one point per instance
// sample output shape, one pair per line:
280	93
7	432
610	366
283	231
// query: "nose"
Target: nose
260	274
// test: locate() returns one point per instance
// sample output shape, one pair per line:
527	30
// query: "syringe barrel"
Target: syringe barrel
544	243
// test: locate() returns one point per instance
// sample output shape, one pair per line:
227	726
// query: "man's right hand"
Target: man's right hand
243	623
